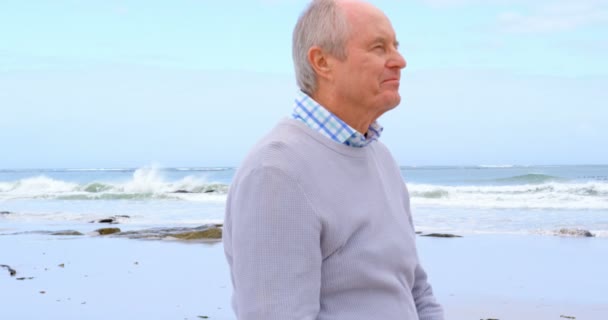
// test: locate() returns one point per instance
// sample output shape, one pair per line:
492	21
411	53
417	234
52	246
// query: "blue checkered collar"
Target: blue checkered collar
321	120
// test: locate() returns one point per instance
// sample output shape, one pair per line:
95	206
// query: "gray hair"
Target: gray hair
322	24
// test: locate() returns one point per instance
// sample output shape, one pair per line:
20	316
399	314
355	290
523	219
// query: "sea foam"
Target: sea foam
145	183
553	195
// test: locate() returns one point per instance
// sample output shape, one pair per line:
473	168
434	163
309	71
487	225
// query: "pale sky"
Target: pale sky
107	83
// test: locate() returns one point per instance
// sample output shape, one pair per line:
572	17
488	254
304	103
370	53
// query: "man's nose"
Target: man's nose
397	61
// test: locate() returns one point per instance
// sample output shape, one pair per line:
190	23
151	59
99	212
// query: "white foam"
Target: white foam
498	166
39	186
600	233
150	183
589	195
6	186
198	197
147	182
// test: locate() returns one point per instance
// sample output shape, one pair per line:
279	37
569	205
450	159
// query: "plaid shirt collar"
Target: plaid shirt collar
320	119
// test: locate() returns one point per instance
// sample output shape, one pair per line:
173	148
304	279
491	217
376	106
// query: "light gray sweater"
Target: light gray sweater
319	230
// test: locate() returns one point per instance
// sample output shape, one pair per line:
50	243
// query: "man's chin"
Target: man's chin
392	100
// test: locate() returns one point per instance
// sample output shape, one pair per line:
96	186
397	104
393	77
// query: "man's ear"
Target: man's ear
320	62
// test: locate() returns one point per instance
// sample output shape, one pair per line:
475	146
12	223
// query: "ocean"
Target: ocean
539	200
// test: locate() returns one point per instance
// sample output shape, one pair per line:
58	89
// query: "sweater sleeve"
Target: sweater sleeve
275	248
427	306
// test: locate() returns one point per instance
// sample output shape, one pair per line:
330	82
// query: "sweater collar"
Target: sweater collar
318	118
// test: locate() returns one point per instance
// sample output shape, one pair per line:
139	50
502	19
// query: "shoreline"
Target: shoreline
474	277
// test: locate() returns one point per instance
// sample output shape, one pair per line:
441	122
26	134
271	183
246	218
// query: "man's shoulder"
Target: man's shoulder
284	147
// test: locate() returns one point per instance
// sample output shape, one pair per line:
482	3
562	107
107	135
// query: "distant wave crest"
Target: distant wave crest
549	195
531	178
146	183
530	191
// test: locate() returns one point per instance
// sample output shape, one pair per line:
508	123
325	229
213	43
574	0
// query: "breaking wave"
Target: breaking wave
550	195
529	191
146	183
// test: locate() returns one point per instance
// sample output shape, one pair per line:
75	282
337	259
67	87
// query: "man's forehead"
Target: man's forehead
355	8
362	13
365	19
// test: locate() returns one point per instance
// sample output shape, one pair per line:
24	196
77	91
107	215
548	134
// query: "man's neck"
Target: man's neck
355	116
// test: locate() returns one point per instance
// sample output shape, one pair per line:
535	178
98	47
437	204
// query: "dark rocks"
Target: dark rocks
206	233
567	317
441	235
107	231
208	188
211	233
111	220
67	233
5	212
11	271
25	278
573	232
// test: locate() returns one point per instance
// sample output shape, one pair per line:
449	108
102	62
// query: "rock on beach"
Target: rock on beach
111	220
205	232
441	235
11	271
67	233
573	232
107	231
211	233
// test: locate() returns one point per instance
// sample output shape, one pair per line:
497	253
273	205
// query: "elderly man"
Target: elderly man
318	222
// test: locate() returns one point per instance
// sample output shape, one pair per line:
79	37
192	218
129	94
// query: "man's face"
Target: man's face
369	76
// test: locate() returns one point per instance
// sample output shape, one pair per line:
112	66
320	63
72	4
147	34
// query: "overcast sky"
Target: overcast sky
112	83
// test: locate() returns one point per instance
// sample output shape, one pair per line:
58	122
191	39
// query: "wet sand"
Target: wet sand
518	277
474	277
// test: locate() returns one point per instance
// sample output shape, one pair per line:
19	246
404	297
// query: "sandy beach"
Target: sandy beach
474	277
